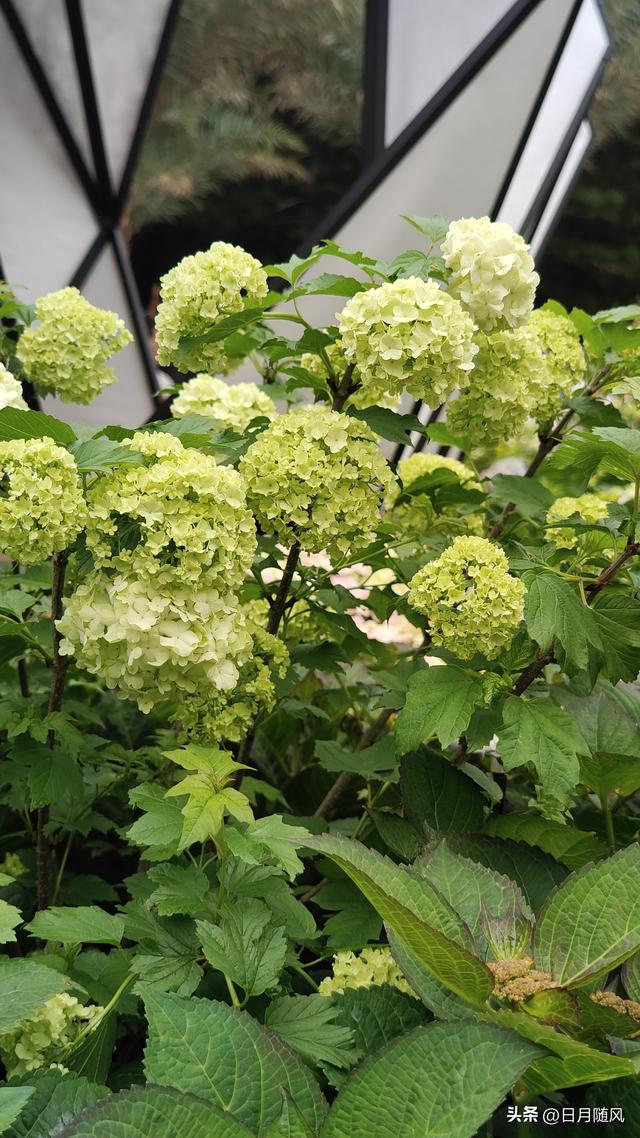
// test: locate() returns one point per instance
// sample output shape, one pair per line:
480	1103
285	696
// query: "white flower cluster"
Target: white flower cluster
42	1039
232	405
10	391
492	272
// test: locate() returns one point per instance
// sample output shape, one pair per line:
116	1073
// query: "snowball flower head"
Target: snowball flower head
10	391
318	477
495	407
423	462
470	599
407	335
65	353
563	363
150	644
414	516
40	1039
591	508
492	272
366	969
176	516
232	405
199	291
41	506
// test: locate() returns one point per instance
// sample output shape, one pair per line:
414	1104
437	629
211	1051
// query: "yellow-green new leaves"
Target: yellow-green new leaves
538	731
209	797
591	923
440	1080
418	915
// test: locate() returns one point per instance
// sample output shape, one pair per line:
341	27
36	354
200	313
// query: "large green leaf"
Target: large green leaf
572	847
622	1093
84	924
438	796
200	1046
309	1025
416	912
245	945
376	1015
55	1100
12	1101
437	1082
17	424
444	1003
591	923
553	612
10	917
154	1112
25	987
536	872
160	827
538	731
440	701
608	721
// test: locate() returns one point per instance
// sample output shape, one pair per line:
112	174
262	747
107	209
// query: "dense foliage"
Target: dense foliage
319	770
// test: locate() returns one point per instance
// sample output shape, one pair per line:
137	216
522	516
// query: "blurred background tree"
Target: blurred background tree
257	131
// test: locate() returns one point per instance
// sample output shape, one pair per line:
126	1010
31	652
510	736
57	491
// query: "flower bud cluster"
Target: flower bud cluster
65	353
368	968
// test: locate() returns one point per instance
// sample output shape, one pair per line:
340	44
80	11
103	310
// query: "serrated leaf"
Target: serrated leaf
536	872
437	796
389	424
160	826
591	923
100	455
12	1102
355	921
631	976
17	424
25	987
554	612
435	228
531	498
440	1080
375	761
91	1055
266	883
160	1112
308	1025
168	953
55	1101
10	917
268	838
246	946
84	924
440	701
199	1046
398	835
537	731
376	1015
416	912
178	889
568	845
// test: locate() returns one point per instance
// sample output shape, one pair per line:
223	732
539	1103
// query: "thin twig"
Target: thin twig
372	733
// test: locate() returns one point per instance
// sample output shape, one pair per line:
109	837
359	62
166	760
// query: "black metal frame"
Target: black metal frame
106	201
376	42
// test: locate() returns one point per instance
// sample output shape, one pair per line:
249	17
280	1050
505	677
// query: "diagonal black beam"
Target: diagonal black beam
51	104
75	18
135	308
155	76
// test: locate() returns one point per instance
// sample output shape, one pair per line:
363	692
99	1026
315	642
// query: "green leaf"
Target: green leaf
154	1112
55	1100
531	498
435	228
91	1055
268	838
355	922
554	612
416	912
591	923
376	1015
618	618
15	601
17	424
84	924
397	834
245	945
389	424
436	795
440	1000
537	731
53	774
572	847
267	884
12	1101
375	761
623	1093
179	889
199	1046
445	1079
616	315
100	455
160	827
440	701
10	917
25	987
308	1025
536	873
168	950
631	976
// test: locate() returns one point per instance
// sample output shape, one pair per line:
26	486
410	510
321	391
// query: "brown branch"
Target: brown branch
372	733
342	390
279	603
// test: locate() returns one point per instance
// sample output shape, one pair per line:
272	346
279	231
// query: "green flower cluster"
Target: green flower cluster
470	599
41	505
414	516
154	644
172	539
42	1039
558	342
232	405
407	335
199	291
65	353
318	477
495	406
592	507
492	272
10	391
175	517
210	716
368	968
